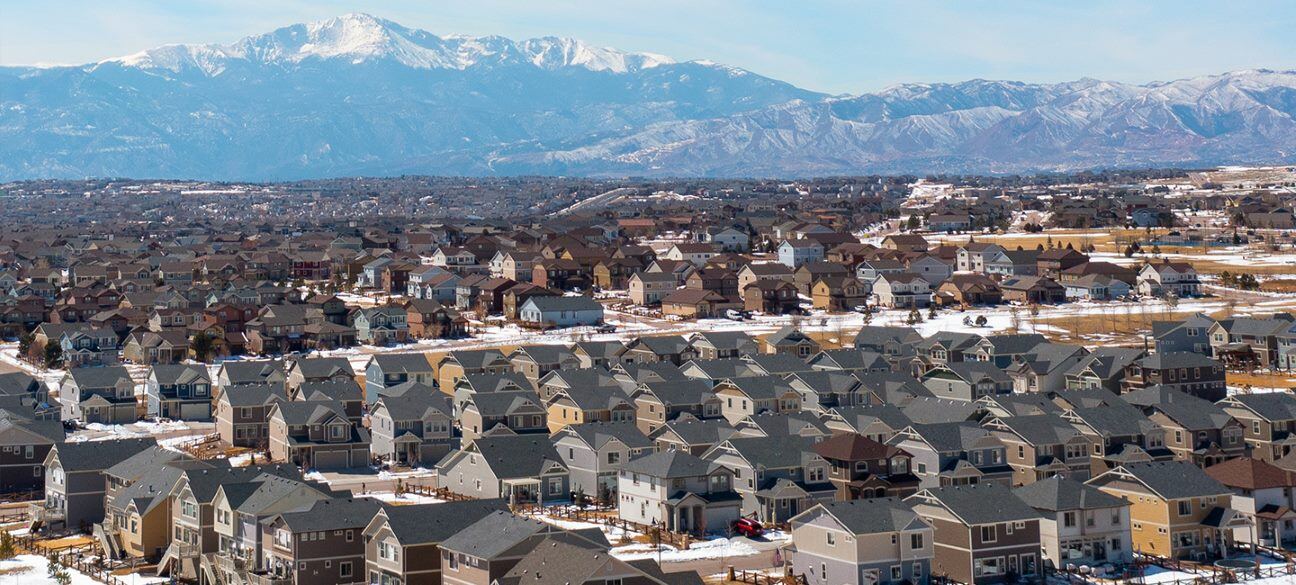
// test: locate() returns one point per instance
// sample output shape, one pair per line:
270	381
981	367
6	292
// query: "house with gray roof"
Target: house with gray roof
413	428
565	311
386	370
100	394
1079	524
507	412
712	345
75	483
1040	446
193	537
678	491
240	510
316	434
518	468
1268	421
691	435
318	369
594	453
982	532
879	540
322	544
242	411
403	543
485	551
25	443
954	453
179	392
777	477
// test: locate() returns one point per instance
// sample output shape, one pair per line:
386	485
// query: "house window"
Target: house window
613	458
988	534
555	486
832	538
1185	507
344	569
896	572
915	541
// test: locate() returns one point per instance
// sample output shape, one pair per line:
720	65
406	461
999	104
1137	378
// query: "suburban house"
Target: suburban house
322	544
75	484
1177	510
414	428
982	533
678	491
24	445
564	311
242	413
179	392
98	394
403	543
316	434
595	452
1265	495
1080	524
862	468
878	540
386	370
517	468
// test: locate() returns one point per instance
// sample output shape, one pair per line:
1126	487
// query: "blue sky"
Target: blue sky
827	45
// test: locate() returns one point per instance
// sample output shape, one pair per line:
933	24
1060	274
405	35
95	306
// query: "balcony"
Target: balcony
45	512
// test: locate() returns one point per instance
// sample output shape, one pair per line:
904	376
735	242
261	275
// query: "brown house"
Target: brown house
774	297
838	293
979	543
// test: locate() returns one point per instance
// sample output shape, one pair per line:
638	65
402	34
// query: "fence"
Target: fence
760	578
434	492
592	515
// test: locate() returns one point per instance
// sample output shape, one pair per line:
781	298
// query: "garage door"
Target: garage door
332	459
195	411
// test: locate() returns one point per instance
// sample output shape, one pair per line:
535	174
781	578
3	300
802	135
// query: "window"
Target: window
988	534
453	561
917	571
896	572
832	538
1185	507
987	567
915	541
613	458
344	569
1069	519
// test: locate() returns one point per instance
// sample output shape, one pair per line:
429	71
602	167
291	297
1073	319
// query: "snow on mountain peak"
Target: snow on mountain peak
359	38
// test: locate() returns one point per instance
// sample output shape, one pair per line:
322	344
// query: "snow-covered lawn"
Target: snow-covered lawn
406	499
614	534
707	549
34	570
170	433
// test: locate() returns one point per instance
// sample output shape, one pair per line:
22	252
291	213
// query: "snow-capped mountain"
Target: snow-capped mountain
361	95
358	38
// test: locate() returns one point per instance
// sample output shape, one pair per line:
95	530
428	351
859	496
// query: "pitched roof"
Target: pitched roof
1056	494
983	503
433	523
1251	474
872	516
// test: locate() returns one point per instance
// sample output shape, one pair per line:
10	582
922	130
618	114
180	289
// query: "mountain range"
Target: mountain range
359	95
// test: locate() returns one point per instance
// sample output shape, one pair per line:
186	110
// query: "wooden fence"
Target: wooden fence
593	515
434	492
760	578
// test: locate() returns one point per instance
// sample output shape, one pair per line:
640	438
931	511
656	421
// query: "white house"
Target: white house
561	311
794	253
1166	277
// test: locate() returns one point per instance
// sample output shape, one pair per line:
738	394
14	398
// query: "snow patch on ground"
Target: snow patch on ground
34	570
708	549
406	499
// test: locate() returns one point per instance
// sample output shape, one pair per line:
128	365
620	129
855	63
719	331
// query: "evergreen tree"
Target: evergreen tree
53	355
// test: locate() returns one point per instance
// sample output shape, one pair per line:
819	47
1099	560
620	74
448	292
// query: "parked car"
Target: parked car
606	328
748	527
